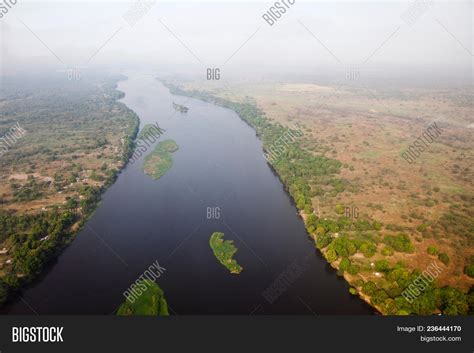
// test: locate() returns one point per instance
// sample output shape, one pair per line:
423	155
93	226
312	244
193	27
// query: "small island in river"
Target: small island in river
180	108
224	250
150	130
151	301
158	162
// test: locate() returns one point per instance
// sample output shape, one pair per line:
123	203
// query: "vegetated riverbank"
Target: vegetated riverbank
347	244
35	240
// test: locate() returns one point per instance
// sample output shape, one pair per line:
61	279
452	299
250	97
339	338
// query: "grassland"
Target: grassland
151	302
224	251
350	156
158	162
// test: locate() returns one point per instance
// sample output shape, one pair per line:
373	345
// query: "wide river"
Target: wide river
140	221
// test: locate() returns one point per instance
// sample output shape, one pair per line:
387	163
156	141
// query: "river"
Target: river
140	221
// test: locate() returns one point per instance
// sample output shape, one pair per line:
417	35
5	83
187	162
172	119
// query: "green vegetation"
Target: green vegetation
387	251
224	251
400	243
151	302
432	250
158	162
387	295
382	265
35	240
458	223
339	209
469	268
368	249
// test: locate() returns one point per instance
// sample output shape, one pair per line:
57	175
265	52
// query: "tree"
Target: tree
379	297
320	230
400	242
353	269
330	255
323	240
368	249
454	302
382	265
344	264
369	288
469	270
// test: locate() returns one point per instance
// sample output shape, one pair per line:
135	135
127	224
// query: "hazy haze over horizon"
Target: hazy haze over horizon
312	38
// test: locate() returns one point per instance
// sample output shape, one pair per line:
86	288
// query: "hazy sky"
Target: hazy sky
187	37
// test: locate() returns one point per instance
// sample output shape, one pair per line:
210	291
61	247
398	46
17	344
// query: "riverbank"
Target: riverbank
356	248
34	240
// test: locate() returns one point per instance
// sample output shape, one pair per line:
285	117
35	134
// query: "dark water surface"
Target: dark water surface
140	220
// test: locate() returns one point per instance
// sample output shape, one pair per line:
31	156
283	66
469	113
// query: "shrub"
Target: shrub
387	251
444	258
432	250
469	270
339	209
422	227
429	203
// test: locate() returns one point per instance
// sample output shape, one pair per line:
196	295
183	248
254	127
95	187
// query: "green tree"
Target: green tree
368	249
454	302
382	265
330	255
369	288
